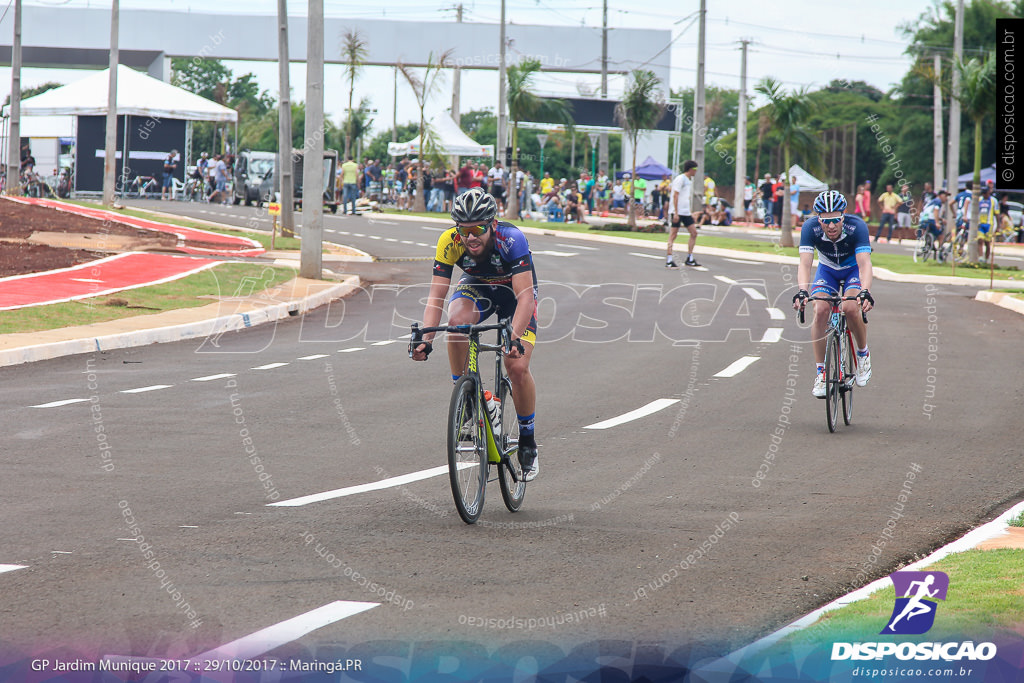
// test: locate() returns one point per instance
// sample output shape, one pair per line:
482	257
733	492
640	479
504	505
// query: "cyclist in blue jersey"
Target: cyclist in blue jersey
498	278
932	217
843	244
961	203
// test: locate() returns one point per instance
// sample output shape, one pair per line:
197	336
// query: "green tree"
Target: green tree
378	146
641	106
33	91
977	96
525	105
788	113
353	54
356	126
423	90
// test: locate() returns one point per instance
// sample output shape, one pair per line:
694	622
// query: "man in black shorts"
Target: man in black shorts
496	182
680	213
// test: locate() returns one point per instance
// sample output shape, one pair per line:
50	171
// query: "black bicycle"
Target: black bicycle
840	360
927	247
478	440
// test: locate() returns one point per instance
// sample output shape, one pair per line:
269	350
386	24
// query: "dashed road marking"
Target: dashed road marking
754	294
269	366
142	390
352	350
315	356
643	411
58	404
362	488
772	335
210	378
738	367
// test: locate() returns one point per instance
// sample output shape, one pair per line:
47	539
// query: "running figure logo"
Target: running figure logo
916	595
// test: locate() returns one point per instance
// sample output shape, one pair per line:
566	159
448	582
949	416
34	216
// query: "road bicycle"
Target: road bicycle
840	359
476	441
928	247
142	186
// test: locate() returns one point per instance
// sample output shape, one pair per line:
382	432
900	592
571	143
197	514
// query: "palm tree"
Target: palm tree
788	113
353	54
978	99
359	122
524	104
642	105
423	90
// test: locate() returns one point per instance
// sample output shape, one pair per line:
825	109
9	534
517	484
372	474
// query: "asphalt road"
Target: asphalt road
652	540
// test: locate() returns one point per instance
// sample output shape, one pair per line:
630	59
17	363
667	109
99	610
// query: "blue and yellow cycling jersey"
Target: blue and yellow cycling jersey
842	253
510	255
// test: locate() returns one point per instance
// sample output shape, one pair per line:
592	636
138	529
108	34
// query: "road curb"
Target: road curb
261	314
1001	299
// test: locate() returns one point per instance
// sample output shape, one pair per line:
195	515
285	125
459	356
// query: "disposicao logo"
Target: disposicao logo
917	594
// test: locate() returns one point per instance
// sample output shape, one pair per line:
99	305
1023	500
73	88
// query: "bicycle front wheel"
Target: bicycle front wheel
467	450
923	249
513	490
849	378
832	379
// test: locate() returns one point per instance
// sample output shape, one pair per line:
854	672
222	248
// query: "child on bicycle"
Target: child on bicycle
843	243
498	277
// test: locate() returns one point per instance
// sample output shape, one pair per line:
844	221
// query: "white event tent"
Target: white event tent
452	141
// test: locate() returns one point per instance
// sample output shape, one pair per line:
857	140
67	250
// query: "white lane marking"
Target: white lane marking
140	390
269	366
264	640
354	348
376	237
377	220
13	567
772	335
314	356
62	552
210	378
654	256
407	242
776	314
548	252
700	268
754	294
434	229
329	230
362	488
576	246
643	411
390	239
58	404
385	342
358	234
85	279
738	367
343	232
424	244
746	263
188	526
726	280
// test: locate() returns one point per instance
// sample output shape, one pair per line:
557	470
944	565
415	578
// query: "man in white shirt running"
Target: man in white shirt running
680	213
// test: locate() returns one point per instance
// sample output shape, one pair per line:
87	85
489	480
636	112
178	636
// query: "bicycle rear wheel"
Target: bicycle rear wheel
832	380
467	450
512	490
849	375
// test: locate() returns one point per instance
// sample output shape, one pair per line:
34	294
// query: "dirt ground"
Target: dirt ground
36	238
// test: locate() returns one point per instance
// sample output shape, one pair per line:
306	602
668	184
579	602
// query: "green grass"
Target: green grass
985	600
280	244
229	279
1017	521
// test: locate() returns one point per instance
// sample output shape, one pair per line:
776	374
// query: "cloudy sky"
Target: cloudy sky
801	43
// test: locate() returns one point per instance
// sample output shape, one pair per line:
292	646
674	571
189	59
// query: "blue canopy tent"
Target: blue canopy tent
987	174
648	170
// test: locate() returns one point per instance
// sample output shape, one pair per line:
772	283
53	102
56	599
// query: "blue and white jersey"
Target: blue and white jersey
841	254
928	210
963	204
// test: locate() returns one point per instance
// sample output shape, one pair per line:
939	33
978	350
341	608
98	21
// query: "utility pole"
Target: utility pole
457	79
311	254
499	150
937	122
14	132
953	156
741	138
110	146
603	142
284	125
698	114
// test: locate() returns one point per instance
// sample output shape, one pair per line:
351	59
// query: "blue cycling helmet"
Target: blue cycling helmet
829	201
